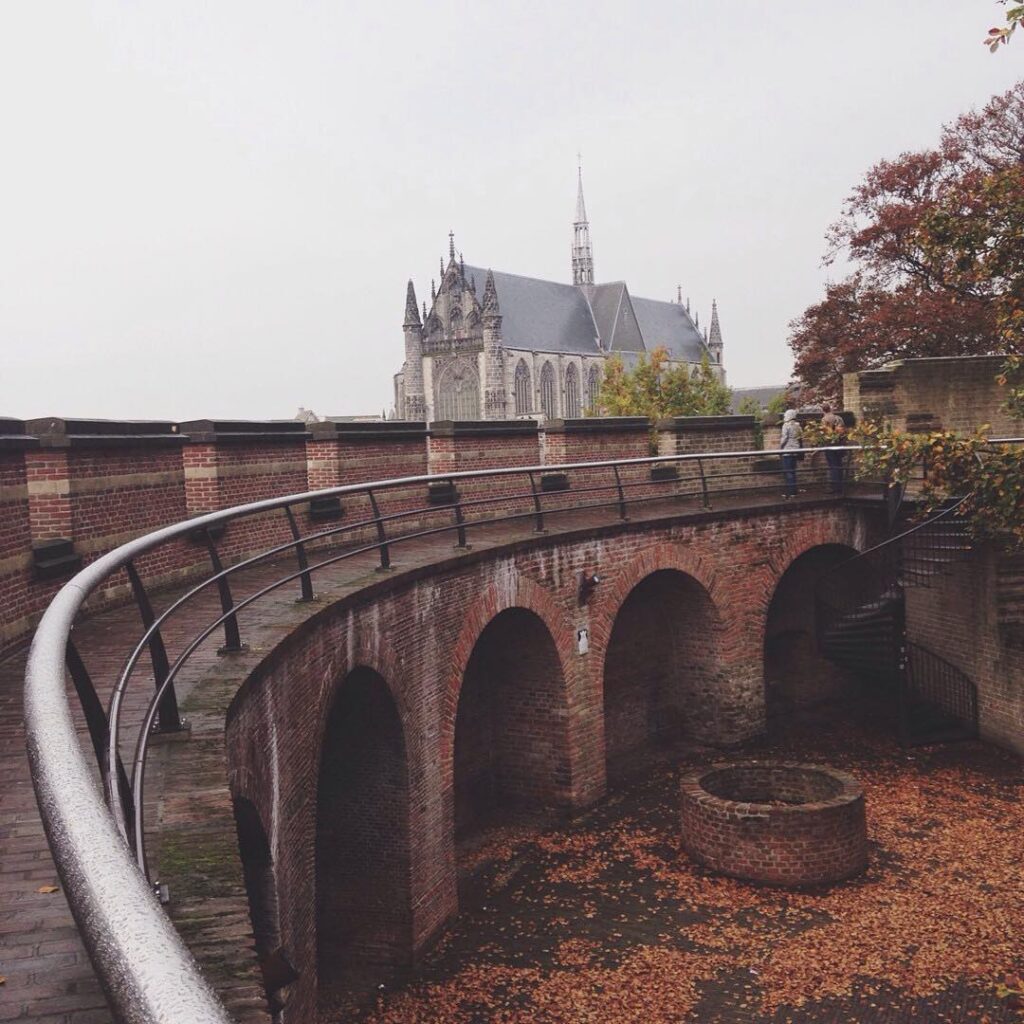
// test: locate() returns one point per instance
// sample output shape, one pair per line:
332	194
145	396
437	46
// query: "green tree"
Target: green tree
656	389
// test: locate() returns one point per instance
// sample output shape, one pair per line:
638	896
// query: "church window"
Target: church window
548	395
458	393
523	389
455	318
572	392
593	389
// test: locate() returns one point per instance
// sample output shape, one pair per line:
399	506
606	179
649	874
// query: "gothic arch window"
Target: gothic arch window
593	388
523	389
458	392
455	318
572	392
548	394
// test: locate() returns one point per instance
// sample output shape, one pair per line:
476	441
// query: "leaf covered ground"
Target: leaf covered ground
604	920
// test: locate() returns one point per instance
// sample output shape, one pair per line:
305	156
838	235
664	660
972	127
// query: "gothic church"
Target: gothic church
526	347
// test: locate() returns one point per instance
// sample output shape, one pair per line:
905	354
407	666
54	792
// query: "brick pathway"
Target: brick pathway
48	978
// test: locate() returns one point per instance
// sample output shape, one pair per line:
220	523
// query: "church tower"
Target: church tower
582	255
715	337
415	406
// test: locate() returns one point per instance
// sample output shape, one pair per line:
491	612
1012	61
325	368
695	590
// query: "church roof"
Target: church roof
541	315
549	316
668	324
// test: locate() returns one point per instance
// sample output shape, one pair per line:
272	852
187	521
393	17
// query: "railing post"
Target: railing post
382	537
305	580
115	785
460	522
538	513
622	494
168	717
703	484
232	638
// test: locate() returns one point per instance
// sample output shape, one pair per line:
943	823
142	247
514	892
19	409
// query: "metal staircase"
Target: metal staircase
861	608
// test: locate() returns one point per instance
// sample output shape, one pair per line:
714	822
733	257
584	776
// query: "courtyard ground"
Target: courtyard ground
604	920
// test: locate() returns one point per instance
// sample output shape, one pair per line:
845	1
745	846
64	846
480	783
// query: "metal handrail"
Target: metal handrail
146	971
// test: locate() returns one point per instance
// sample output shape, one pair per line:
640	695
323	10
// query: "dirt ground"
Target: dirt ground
605	920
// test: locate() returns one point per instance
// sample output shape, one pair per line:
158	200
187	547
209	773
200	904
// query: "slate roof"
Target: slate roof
541	315
668	324
548	316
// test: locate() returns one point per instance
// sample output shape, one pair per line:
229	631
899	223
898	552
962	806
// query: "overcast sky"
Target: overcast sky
211	209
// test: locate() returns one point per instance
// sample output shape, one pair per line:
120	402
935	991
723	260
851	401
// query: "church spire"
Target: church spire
412	314
715	345
582	254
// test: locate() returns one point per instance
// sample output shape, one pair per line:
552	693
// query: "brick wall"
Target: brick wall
967	616
439	640
594	440
17	599
692	435
952	393
464	446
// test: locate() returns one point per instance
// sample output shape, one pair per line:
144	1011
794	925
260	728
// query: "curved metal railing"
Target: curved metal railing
98	842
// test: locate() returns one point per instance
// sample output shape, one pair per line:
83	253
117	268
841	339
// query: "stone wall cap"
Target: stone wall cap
599	425
57	432
682	424
383	430
242	431
484	428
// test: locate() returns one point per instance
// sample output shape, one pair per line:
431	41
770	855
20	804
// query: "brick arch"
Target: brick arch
683	690
610	597
520	592
540	779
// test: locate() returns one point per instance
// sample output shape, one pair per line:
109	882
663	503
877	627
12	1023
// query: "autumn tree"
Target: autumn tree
914	291
655	388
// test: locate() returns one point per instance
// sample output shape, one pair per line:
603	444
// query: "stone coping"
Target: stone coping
692	424
243	431
484	428
599	424
57	432
385	430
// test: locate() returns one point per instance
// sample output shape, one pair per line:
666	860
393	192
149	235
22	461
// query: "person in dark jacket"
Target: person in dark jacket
792	438
834	429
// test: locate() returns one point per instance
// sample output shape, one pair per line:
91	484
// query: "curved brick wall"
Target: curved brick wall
779	823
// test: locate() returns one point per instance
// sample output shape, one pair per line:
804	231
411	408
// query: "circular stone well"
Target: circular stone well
775	822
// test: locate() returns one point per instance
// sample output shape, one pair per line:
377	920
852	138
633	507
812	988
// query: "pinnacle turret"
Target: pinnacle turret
412	314
715	344
489	306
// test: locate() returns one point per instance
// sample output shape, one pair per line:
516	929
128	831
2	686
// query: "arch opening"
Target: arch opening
795	673
510	756
662	673
363	884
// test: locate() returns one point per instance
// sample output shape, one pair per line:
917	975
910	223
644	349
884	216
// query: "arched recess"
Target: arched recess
523	389
363	897
794	671
548	391
511	740
264	909
572	392
662	671
593	388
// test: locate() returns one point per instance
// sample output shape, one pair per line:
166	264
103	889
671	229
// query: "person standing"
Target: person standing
834	429
792	439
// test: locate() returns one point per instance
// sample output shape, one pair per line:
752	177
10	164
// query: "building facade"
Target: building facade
500	346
